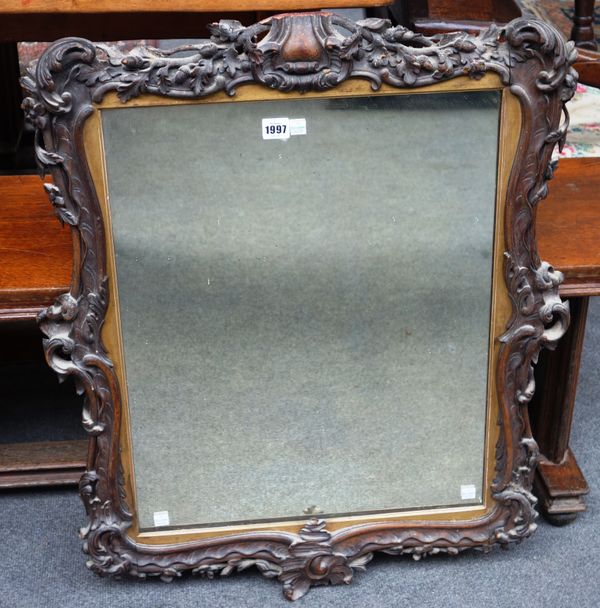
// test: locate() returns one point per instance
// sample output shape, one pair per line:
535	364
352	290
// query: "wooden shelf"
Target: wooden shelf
42	463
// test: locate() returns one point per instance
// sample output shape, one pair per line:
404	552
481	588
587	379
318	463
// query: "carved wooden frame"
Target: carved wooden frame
299	52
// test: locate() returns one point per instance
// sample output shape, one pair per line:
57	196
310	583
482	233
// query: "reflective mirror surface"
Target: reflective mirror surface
305	320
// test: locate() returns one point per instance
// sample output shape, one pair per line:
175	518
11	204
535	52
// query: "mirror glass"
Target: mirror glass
305	319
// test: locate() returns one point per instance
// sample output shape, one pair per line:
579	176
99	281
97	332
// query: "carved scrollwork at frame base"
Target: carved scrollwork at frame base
299	52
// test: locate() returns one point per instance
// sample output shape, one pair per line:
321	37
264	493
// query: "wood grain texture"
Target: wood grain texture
568	225
561	488
25	7
112	26
22	457
47	463
588	67
35	250
437	16
482	10
41	479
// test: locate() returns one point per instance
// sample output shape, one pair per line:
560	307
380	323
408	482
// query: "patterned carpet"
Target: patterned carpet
583	138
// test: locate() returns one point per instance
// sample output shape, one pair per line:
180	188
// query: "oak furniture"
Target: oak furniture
36	261
568	224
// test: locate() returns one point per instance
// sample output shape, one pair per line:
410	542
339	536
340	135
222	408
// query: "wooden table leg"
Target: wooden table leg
559	483
583	25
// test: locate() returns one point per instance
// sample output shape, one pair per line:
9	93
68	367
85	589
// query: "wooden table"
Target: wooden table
35	257
34	250
568	225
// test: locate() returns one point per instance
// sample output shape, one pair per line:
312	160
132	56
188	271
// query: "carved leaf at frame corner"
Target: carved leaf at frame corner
74	73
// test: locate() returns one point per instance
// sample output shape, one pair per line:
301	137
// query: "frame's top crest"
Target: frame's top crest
304	51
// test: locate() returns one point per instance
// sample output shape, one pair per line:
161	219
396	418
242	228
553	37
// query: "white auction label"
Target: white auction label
468	492
161	518
275	128
297	126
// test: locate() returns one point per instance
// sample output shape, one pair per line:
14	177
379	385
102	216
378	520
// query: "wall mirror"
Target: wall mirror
307	300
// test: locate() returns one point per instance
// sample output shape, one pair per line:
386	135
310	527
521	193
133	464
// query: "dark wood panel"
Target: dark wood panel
551	408
22	457
42	463
568	225
136	25
448	10
433	16
113	26
560	488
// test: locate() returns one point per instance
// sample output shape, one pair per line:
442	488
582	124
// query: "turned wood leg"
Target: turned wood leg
583	25
559	483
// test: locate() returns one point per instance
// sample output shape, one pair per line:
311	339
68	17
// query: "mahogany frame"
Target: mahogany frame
302	53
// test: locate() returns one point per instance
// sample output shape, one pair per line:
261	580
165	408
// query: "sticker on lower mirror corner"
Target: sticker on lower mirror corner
161	518
275	128
468	492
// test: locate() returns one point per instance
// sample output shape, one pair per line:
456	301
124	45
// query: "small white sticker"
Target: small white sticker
275	128
297	126
161	518
468	492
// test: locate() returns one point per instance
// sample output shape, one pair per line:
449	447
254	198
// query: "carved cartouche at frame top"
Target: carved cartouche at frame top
299	52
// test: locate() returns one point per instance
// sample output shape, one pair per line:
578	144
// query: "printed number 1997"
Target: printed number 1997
275	129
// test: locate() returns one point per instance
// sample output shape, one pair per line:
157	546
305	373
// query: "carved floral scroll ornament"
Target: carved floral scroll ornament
299	52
